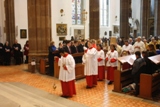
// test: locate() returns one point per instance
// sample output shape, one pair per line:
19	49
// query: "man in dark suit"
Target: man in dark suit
17	52
1	53
74	48
68	47
81	45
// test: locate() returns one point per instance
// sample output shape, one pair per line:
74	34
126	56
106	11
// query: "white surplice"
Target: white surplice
141	45
111	55
128	48
100	54
69	74
90	62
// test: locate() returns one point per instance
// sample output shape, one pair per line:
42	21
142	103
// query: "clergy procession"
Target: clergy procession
100	60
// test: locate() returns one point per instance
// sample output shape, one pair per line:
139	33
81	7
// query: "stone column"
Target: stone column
94	19
157	18
10	21
145	10
39	28
124	15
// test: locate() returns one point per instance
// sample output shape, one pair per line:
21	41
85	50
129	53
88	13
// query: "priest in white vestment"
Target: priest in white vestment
90	65
139	45
67	73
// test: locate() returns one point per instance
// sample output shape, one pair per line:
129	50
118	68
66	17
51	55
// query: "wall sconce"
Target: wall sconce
62	12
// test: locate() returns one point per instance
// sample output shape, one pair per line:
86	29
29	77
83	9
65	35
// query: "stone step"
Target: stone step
29	98
58	99
37	95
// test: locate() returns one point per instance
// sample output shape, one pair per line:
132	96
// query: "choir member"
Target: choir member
101	62
17	52
51	55
67	73
111	58
138	67
94	44
127	48
26	51
7	53
90	65
139	45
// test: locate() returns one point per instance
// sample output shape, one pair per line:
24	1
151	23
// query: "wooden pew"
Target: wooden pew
79	68
150	83
43	66
123	77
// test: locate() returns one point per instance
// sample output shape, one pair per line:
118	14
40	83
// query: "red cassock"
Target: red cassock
101	72
111	58
68	88
110	73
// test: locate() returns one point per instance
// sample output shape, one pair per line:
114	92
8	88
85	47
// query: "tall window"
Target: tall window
104	12
77	8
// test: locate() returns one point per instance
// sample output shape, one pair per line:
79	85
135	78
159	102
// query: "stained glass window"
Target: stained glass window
77	7
104	12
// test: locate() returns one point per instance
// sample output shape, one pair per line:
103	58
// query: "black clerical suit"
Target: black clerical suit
7	55
17	54
1	53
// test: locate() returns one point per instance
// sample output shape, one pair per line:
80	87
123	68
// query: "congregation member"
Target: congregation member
1	53
68	47
146	44
26	51
151	50
17	52
149	65
67	73
74	49
80	46
112	63
130	41
139	45
138	67
127	49
7	53
51	55
90	65
101	62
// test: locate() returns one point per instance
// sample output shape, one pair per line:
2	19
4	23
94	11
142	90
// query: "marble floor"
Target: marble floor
99	96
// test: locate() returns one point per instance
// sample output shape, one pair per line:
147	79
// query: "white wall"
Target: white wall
66	5
21	19
2	22
114	10
136	4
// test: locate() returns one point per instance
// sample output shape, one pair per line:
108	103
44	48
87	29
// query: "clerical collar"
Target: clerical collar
65	55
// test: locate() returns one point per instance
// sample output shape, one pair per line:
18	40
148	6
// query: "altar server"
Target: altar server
111	58
67	74
101	62
90	65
